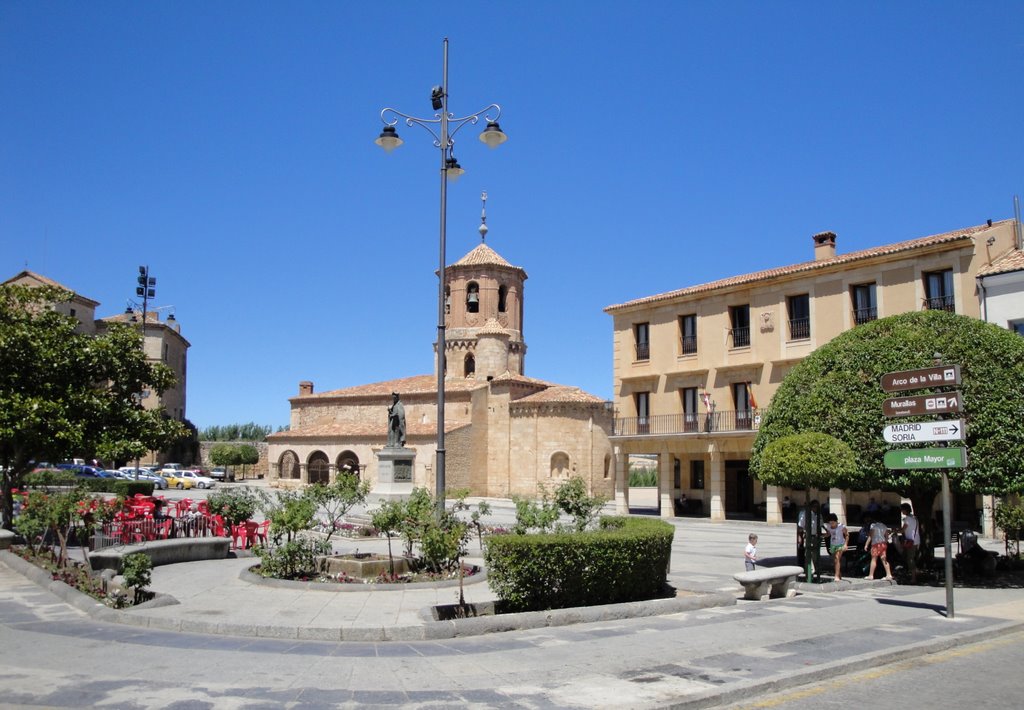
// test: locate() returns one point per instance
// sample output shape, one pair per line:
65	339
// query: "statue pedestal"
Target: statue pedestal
394	473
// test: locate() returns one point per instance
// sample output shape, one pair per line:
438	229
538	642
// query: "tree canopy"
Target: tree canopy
807	460
65	394
837	389
235	432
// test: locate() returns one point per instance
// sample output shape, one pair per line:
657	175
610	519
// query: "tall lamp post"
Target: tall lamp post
443	127
145	290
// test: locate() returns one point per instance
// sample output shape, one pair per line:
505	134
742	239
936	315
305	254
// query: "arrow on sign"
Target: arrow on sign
914	432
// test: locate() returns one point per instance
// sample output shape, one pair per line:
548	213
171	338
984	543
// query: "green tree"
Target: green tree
338	498
65	394
837	389
248	455
225	455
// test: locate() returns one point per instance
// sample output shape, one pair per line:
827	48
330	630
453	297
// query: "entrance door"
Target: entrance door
739	489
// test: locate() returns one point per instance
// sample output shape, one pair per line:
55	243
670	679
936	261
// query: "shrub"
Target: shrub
235	504
137	571
1010	519
293	559
642	477
127	489
625	560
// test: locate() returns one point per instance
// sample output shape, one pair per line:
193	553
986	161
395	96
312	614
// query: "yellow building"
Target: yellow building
693	366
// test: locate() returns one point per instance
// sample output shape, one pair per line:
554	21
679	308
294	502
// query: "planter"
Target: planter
365	566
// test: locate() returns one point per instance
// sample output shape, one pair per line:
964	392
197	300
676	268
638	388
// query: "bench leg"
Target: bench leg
784	588
755	591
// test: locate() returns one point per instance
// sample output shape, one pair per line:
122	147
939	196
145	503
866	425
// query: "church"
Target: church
506	434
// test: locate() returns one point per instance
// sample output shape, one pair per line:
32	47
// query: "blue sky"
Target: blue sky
652	146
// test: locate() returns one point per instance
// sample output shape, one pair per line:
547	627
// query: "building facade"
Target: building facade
162	340
692	366
506	434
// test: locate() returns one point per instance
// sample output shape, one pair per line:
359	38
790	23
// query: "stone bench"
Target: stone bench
164	552
774	581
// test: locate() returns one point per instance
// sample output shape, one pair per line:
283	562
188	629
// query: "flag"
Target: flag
750	396
706	399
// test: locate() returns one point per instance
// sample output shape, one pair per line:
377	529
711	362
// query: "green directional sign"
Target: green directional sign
927	458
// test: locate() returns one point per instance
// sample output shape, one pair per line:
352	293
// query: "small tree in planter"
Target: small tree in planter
236	504
137	572
1010	519
388	519
338	498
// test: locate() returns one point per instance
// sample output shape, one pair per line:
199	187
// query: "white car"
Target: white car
197	480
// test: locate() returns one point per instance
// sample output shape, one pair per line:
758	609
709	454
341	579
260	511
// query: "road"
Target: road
982	675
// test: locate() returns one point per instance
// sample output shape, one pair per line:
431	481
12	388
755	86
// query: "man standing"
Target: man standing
878	535
808	536
911	540
396	423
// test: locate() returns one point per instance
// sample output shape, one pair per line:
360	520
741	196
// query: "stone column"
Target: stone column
303	474
837	504
988	520
332	472
275	470
716	483
773	508
665	484
621	483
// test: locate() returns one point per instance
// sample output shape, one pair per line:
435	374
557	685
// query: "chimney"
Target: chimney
824	245
305	387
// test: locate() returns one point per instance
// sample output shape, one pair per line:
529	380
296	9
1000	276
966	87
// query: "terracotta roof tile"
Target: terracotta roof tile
560	394
483	255
362	431
492	327
417	384
1011	261
47	281
769	274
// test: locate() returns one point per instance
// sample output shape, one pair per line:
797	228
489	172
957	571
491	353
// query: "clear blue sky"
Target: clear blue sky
652	146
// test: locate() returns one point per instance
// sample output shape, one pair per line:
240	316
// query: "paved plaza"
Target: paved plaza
232	643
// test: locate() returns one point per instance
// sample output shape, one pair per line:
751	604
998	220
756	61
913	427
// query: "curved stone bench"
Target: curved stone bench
774	581
6	539
164	552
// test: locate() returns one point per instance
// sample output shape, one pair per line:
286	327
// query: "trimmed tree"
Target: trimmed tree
64	394
807	460
837	389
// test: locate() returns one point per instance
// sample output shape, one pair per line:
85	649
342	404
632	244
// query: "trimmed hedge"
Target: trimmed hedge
625	560
117	486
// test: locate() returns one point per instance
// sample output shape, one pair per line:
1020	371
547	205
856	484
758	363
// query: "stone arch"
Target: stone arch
318	468
348	462
559	465
502	298
469	369
288	465
472	297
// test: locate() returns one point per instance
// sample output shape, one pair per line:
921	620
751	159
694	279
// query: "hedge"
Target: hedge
118	486
625	560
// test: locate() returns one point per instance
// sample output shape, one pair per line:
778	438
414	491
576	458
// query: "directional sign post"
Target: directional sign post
945	403
926	458
938	376
915	432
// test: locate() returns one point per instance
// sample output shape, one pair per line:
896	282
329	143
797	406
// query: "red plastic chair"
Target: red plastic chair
204	507
251	532
262	533
238	533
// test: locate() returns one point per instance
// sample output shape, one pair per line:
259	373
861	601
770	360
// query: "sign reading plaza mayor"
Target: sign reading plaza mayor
944	403
949	430
938	376
926	458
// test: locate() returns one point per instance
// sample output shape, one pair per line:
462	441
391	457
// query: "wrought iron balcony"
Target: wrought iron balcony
741	337
940	303
689	344
864	315
799	328
672	424
643	351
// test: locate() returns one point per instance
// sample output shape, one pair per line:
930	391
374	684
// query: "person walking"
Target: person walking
839	538
750	553
911	540
878	543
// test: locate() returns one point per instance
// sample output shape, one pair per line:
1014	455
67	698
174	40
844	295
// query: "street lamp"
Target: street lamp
448	125
146	290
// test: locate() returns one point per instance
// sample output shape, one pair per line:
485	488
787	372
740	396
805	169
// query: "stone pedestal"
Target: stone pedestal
394	473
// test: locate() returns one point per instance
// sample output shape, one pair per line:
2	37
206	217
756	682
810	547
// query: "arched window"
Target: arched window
447	300
502	298
288	465
559	464
607	465
319	468
472	297
470	365
348	462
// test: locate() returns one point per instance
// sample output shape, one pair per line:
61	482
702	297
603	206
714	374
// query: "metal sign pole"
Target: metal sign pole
947	531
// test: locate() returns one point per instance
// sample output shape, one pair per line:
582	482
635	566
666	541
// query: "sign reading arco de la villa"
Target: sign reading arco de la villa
926	458
938	376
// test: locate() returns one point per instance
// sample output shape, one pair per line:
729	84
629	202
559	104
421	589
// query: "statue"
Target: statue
396	423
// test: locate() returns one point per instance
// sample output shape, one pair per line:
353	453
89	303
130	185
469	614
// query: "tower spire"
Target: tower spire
483	217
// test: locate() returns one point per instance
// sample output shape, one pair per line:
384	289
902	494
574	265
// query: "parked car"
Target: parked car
172	467
221	474
197	480
175	481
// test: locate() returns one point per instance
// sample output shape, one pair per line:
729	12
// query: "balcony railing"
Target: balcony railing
643	351
689	344
663	424
799	328
741	337
864	315
940	303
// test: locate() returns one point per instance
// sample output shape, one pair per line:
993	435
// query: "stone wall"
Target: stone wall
259	470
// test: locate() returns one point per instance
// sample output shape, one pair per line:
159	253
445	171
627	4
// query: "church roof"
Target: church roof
492	327
362	430
417	384
483	255
560	394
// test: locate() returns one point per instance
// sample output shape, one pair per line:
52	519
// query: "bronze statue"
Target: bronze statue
396	422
